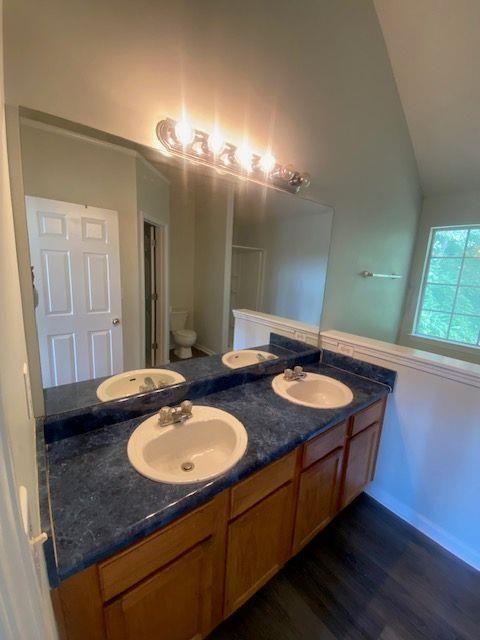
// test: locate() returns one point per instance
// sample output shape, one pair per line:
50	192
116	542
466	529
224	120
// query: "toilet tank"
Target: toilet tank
178	319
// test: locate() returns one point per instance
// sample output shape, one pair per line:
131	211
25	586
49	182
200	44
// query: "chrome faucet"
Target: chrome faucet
175	415
150	385
296	374
262	358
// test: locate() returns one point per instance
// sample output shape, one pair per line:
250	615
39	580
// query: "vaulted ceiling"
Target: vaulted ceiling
434	48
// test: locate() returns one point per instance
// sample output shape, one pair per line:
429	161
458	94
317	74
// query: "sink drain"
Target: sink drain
187	466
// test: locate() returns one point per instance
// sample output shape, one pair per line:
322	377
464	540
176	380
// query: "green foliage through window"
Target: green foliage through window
449	306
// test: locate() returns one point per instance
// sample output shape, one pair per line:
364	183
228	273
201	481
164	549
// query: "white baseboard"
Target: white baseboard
434	532
206	350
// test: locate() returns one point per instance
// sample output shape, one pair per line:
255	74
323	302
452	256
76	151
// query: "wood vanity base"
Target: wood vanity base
182	581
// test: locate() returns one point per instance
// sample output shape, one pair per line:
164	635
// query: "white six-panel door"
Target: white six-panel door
74	251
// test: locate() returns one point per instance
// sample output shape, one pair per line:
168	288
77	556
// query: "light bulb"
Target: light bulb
267	162
215	143
243	156
184	132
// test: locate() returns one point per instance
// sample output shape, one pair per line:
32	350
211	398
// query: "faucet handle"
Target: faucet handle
186	406
299	373
165	415
288	374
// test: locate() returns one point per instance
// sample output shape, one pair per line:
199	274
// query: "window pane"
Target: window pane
439	297
464	329
473	244
431	323
471	271
468	300
444	270
450	295
449	242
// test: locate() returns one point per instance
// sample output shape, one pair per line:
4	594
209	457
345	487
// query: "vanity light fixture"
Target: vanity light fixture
184	133
184	141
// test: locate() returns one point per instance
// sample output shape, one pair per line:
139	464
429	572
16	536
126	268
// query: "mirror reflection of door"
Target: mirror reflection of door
151	295
155	296
248	264
74	251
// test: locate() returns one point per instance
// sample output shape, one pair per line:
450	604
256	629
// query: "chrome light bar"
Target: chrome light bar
182	140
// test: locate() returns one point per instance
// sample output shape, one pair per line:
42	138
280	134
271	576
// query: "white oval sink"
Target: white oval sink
132	382
203	447
246	357
315	390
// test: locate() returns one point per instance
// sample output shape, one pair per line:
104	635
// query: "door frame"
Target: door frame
261	273
162	287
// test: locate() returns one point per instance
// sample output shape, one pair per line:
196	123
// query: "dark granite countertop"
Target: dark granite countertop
77	395
100	504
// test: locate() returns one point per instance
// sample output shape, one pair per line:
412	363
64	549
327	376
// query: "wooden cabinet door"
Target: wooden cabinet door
317	497
360	462
258	546
174	604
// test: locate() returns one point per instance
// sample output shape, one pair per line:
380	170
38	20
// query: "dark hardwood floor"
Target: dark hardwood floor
196	353
367	575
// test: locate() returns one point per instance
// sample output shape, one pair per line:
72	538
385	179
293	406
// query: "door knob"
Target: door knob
116	321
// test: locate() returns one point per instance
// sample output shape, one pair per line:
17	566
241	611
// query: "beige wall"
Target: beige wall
14	411
153	193
438	211
26	604
72	169
213	251
182	240
295	234
21	238
153	204
313	82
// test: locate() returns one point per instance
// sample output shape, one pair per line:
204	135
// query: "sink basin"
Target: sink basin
315	390
203	447
129	382
246	357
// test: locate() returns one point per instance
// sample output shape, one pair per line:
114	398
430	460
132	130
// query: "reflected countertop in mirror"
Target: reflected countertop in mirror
78	395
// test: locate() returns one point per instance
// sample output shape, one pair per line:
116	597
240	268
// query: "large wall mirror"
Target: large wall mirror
138	262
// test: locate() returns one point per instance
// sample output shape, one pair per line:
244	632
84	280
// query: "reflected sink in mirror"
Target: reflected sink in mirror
206	445
246	357
130	383
314	390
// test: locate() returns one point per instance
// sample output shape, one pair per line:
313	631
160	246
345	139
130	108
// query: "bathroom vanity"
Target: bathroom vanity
135	557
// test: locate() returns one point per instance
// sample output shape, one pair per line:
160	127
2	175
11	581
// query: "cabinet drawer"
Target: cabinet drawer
322	445
129	567
247	493
367	416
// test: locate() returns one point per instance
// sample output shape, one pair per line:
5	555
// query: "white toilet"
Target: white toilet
184	338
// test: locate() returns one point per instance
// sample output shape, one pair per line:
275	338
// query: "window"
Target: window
449	304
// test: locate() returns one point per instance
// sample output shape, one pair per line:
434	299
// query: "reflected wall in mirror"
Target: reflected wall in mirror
137	263
279	254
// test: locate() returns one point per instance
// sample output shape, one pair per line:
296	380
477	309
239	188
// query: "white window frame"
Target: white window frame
421	293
